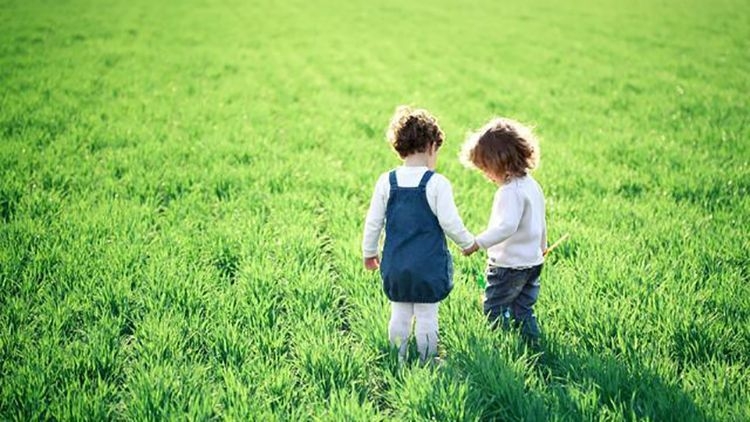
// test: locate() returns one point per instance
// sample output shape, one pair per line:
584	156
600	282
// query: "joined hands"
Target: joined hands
471	249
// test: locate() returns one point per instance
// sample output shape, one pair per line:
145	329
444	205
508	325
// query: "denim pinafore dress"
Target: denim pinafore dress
416	264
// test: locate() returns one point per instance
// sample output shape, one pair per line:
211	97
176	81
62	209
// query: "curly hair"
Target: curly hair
413	130
503	148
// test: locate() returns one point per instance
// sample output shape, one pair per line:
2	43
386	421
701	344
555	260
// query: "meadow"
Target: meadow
183	187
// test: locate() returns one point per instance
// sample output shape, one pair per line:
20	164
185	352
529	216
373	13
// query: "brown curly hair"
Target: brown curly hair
413	130
503	148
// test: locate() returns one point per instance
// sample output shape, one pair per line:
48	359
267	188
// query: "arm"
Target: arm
374	225
449	218
509	208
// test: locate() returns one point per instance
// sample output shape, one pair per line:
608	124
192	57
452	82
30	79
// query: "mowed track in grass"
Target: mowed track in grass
184	183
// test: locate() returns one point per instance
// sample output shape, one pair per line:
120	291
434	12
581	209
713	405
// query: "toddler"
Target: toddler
416	206
515	239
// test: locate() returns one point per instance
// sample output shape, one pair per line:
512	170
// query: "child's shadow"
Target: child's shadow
557	382
621	385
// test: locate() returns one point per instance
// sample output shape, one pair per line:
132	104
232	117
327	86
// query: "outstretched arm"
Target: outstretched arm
449	218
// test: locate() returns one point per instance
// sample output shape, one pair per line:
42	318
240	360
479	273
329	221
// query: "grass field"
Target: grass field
184	185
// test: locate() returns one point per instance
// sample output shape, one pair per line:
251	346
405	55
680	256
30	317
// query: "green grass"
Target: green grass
183	187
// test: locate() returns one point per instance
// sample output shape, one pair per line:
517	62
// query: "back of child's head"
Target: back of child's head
503	147
413	130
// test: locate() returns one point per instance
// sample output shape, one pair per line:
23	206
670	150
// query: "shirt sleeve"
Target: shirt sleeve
448	217
374	220
508	208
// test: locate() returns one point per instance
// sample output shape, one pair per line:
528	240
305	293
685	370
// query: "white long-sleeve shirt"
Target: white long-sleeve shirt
439	197
517	232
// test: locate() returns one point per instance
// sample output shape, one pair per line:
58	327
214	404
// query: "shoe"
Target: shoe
530	331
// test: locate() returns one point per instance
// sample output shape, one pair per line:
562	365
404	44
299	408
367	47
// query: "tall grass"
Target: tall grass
184	183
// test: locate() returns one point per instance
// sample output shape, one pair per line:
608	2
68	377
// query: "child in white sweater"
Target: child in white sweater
516	236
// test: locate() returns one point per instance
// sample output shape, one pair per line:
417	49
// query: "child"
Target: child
516	237
416	205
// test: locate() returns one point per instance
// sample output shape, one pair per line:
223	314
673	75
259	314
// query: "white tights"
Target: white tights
426	330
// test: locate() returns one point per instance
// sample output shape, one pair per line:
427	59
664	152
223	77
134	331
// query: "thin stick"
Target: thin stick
556	244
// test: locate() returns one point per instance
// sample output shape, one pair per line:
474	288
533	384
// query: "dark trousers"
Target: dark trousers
513	292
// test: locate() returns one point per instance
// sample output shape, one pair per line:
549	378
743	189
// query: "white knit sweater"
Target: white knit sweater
517	232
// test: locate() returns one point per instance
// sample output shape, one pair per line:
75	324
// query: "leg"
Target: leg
399	328
503	286
523	305
426	329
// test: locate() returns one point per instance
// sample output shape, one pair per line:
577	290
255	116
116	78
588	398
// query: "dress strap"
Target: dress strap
392	179
425	178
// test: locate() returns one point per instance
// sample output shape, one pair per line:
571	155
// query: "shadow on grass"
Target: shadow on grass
589	384
508	381
497	380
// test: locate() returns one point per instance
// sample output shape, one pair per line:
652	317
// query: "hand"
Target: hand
471	249
372	263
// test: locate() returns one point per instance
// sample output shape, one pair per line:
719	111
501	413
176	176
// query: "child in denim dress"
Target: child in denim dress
416	206
516	237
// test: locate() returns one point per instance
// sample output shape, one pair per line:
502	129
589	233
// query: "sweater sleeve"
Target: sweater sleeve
375	219
448	216
508	209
